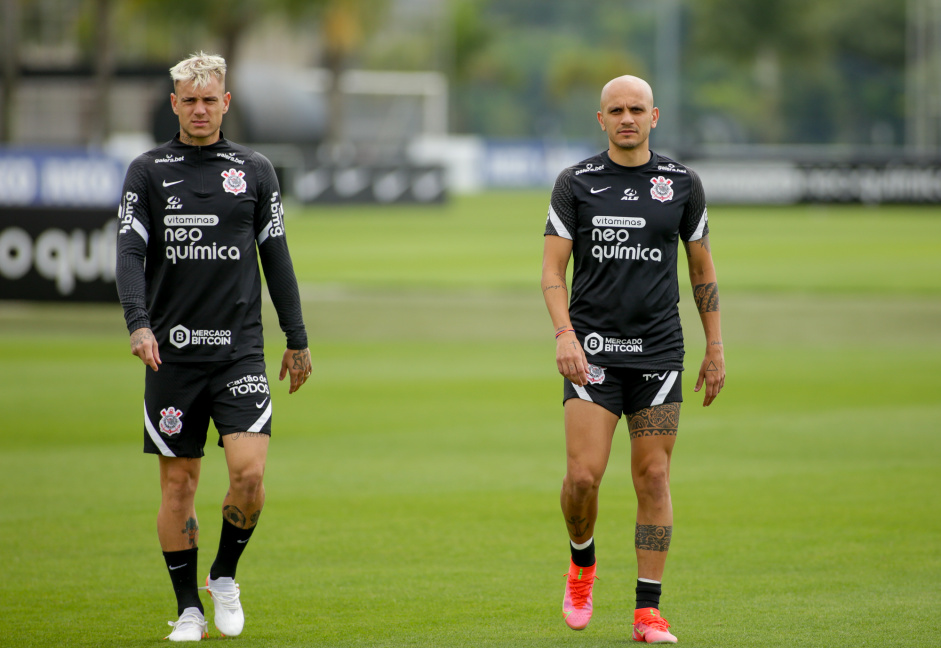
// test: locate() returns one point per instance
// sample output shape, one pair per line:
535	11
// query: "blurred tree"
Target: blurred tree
11	47
798	70
343	25
162	29
518	72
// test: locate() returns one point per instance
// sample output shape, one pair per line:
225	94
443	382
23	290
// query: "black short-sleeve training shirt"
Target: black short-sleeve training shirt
625	224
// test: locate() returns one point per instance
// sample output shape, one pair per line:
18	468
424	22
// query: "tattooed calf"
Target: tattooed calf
652	537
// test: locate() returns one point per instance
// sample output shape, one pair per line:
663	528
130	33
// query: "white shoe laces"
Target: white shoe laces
223	596
190	617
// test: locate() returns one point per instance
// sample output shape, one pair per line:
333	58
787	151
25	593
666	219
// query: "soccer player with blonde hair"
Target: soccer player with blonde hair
197	214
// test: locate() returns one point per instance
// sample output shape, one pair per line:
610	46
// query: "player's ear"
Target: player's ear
226	98
601	120
176	110
655	115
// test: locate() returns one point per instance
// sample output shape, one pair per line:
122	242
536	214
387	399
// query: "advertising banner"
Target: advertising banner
788	183
372	184
36	177
58	254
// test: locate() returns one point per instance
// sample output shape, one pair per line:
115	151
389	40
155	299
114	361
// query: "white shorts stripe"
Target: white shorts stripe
665	389
582	393
260	423
155	436
699	228
558	225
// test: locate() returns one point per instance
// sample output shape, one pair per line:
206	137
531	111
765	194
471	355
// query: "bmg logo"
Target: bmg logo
179	336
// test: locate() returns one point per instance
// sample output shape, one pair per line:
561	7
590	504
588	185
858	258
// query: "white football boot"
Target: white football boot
229	617
191	626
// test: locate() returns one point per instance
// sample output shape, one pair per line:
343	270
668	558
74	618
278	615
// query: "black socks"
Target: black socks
183	575
232	542
584	557
648	594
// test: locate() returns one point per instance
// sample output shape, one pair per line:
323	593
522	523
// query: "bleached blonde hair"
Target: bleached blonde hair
199	68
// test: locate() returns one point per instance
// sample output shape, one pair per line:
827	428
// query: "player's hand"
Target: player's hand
712	373
570	359
296	363
144	346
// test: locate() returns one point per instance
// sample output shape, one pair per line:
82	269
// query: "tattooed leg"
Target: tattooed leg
653	434
245	455
177	527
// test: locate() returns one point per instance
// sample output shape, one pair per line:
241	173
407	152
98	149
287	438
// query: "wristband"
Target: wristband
563	331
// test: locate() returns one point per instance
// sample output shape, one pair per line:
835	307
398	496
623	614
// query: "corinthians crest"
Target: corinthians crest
662	189
595	375
234	181
170	422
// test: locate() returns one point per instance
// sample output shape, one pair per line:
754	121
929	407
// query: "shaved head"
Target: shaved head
627	115
627	83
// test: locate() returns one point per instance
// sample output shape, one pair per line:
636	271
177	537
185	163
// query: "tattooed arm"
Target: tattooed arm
569	356
702	275
297	364
144	346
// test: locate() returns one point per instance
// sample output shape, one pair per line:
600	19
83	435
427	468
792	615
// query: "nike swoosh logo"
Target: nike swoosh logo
261	404
241	541
593	190
179	566
167	184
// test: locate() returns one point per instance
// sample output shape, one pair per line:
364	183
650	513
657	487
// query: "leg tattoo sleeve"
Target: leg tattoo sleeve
655	421
652	537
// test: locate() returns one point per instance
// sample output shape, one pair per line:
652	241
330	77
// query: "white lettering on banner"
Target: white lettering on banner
80	182
60	256
19	181
349	182
427	186
16	253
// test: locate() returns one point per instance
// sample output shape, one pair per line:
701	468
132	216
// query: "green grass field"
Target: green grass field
413	482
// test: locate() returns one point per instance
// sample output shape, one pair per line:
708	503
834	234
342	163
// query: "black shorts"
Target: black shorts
181	397
625	391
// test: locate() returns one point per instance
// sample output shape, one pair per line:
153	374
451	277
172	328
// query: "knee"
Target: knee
581	482
246	481
179	488
652	482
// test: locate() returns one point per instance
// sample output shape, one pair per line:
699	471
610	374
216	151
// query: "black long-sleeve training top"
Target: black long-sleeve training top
190	221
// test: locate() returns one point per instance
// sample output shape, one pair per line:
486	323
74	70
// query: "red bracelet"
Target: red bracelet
564	331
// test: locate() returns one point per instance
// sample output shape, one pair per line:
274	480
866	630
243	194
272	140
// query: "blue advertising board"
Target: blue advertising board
59	178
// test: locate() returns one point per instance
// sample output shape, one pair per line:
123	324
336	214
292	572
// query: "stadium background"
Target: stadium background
413	483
